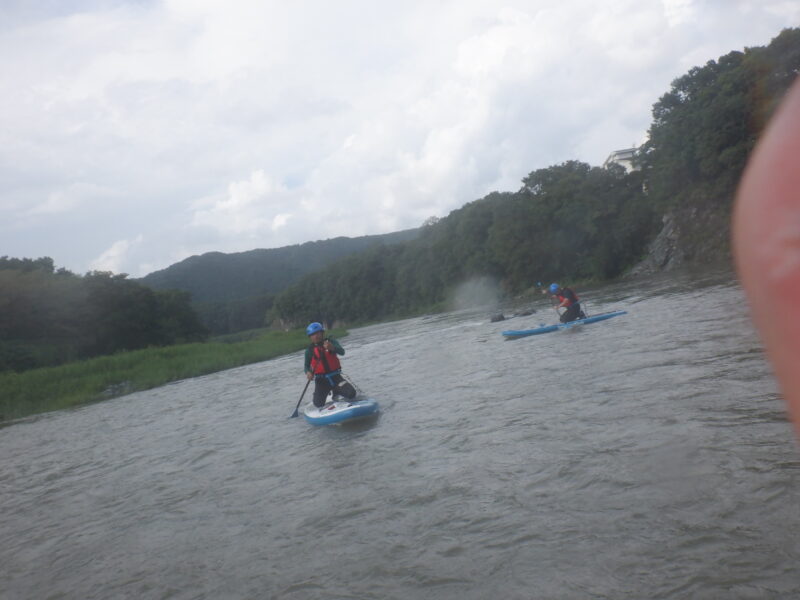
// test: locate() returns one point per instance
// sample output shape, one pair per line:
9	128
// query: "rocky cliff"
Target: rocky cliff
689	236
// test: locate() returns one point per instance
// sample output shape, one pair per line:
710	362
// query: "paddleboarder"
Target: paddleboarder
569	300
323	366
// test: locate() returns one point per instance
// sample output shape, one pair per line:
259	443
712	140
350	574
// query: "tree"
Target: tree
48	317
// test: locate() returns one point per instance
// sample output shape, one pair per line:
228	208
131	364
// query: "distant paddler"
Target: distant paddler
567	299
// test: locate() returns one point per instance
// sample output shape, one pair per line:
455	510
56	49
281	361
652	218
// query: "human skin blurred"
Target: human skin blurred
766	244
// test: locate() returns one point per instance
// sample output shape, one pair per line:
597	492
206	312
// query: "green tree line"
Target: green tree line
570	221
217	277
49	317
705	127
230	316
233	292
567	220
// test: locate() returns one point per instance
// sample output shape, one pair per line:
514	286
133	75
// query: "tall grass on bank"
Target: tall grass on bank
72	384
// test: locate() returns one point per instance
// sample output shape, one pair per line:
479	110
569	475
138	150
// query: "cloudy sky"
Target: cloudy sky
136	133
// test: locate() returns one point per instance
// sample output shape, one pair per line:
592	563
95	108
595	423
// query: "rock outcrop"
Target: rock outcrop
692	236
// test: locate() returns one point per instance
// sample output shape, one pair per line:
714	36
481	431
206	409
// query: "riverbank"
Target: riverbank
73	384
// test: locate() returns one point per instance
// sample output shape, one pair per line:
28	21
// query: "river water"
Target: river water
648	456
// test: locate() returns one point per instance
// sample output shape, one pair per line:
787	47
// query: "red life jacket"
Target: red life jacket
323	361
569	301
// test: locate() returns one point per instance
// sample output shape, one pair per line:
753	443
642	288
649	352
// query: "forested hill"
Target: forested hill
219	277
570	221
573	221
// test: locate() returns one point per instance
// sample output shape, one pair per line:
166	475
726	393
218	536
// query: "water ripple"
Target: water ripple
645	457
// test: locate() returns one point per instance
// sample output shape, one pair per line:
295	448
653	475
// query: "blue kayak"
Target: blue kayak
340	411
510	335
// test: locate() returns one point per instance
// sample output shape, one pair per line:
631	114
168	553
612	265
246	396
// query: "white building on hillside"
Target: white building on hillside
622	157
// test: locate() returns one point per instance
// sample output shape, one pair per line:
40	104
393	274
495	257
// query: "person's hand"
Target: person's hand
309	375
327	345
766	243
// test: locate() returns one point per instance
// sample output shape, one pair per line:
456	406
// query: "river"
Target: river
648	456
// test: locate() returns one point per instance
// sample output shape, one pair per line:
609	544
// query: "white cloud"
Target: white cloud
115	257
280	220
71	197
209	126
678	12
250	211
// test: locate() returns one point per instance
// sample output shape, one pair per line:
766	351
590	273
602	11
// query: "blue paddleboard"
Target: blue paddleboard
512	334
340	411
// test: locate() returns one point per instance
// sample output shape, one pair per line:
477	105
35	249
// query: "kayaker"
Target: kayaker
569	300
323	366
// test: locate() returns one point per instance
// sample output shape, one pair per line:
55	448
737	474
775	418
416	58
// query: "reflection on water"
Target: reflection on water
643	457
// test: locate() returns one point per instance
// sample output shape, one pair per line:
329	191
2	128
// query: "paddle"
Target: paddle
294	414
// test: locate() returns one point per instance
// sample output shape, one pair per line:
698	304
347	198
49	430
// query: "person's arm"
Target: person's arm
307	366
336	347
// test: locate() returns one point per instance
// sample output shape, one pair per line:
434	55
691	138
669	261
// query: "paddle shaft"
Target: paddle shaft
295	413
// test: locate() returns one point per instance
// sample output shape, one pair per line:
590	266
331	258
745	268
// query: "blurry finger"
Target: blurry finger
766	243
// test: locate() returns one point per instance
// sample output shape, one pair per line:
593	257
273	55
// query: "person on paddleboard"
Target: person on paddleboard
323	366
569	300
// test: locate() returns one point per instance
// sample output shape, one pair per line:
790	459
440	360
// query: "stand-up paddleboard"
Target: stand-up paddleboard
512	334
341	410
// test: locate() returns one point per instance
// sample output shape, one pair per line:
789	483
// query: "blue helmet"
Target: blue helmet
554	287
314	328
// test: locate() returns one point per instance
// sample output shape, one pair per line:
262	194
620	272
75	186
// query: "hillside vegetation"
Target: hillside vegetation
219	277
570	220
50	317
234	292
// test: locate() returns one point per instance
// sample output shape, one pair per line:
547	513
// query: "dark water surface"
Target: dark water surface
644	457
